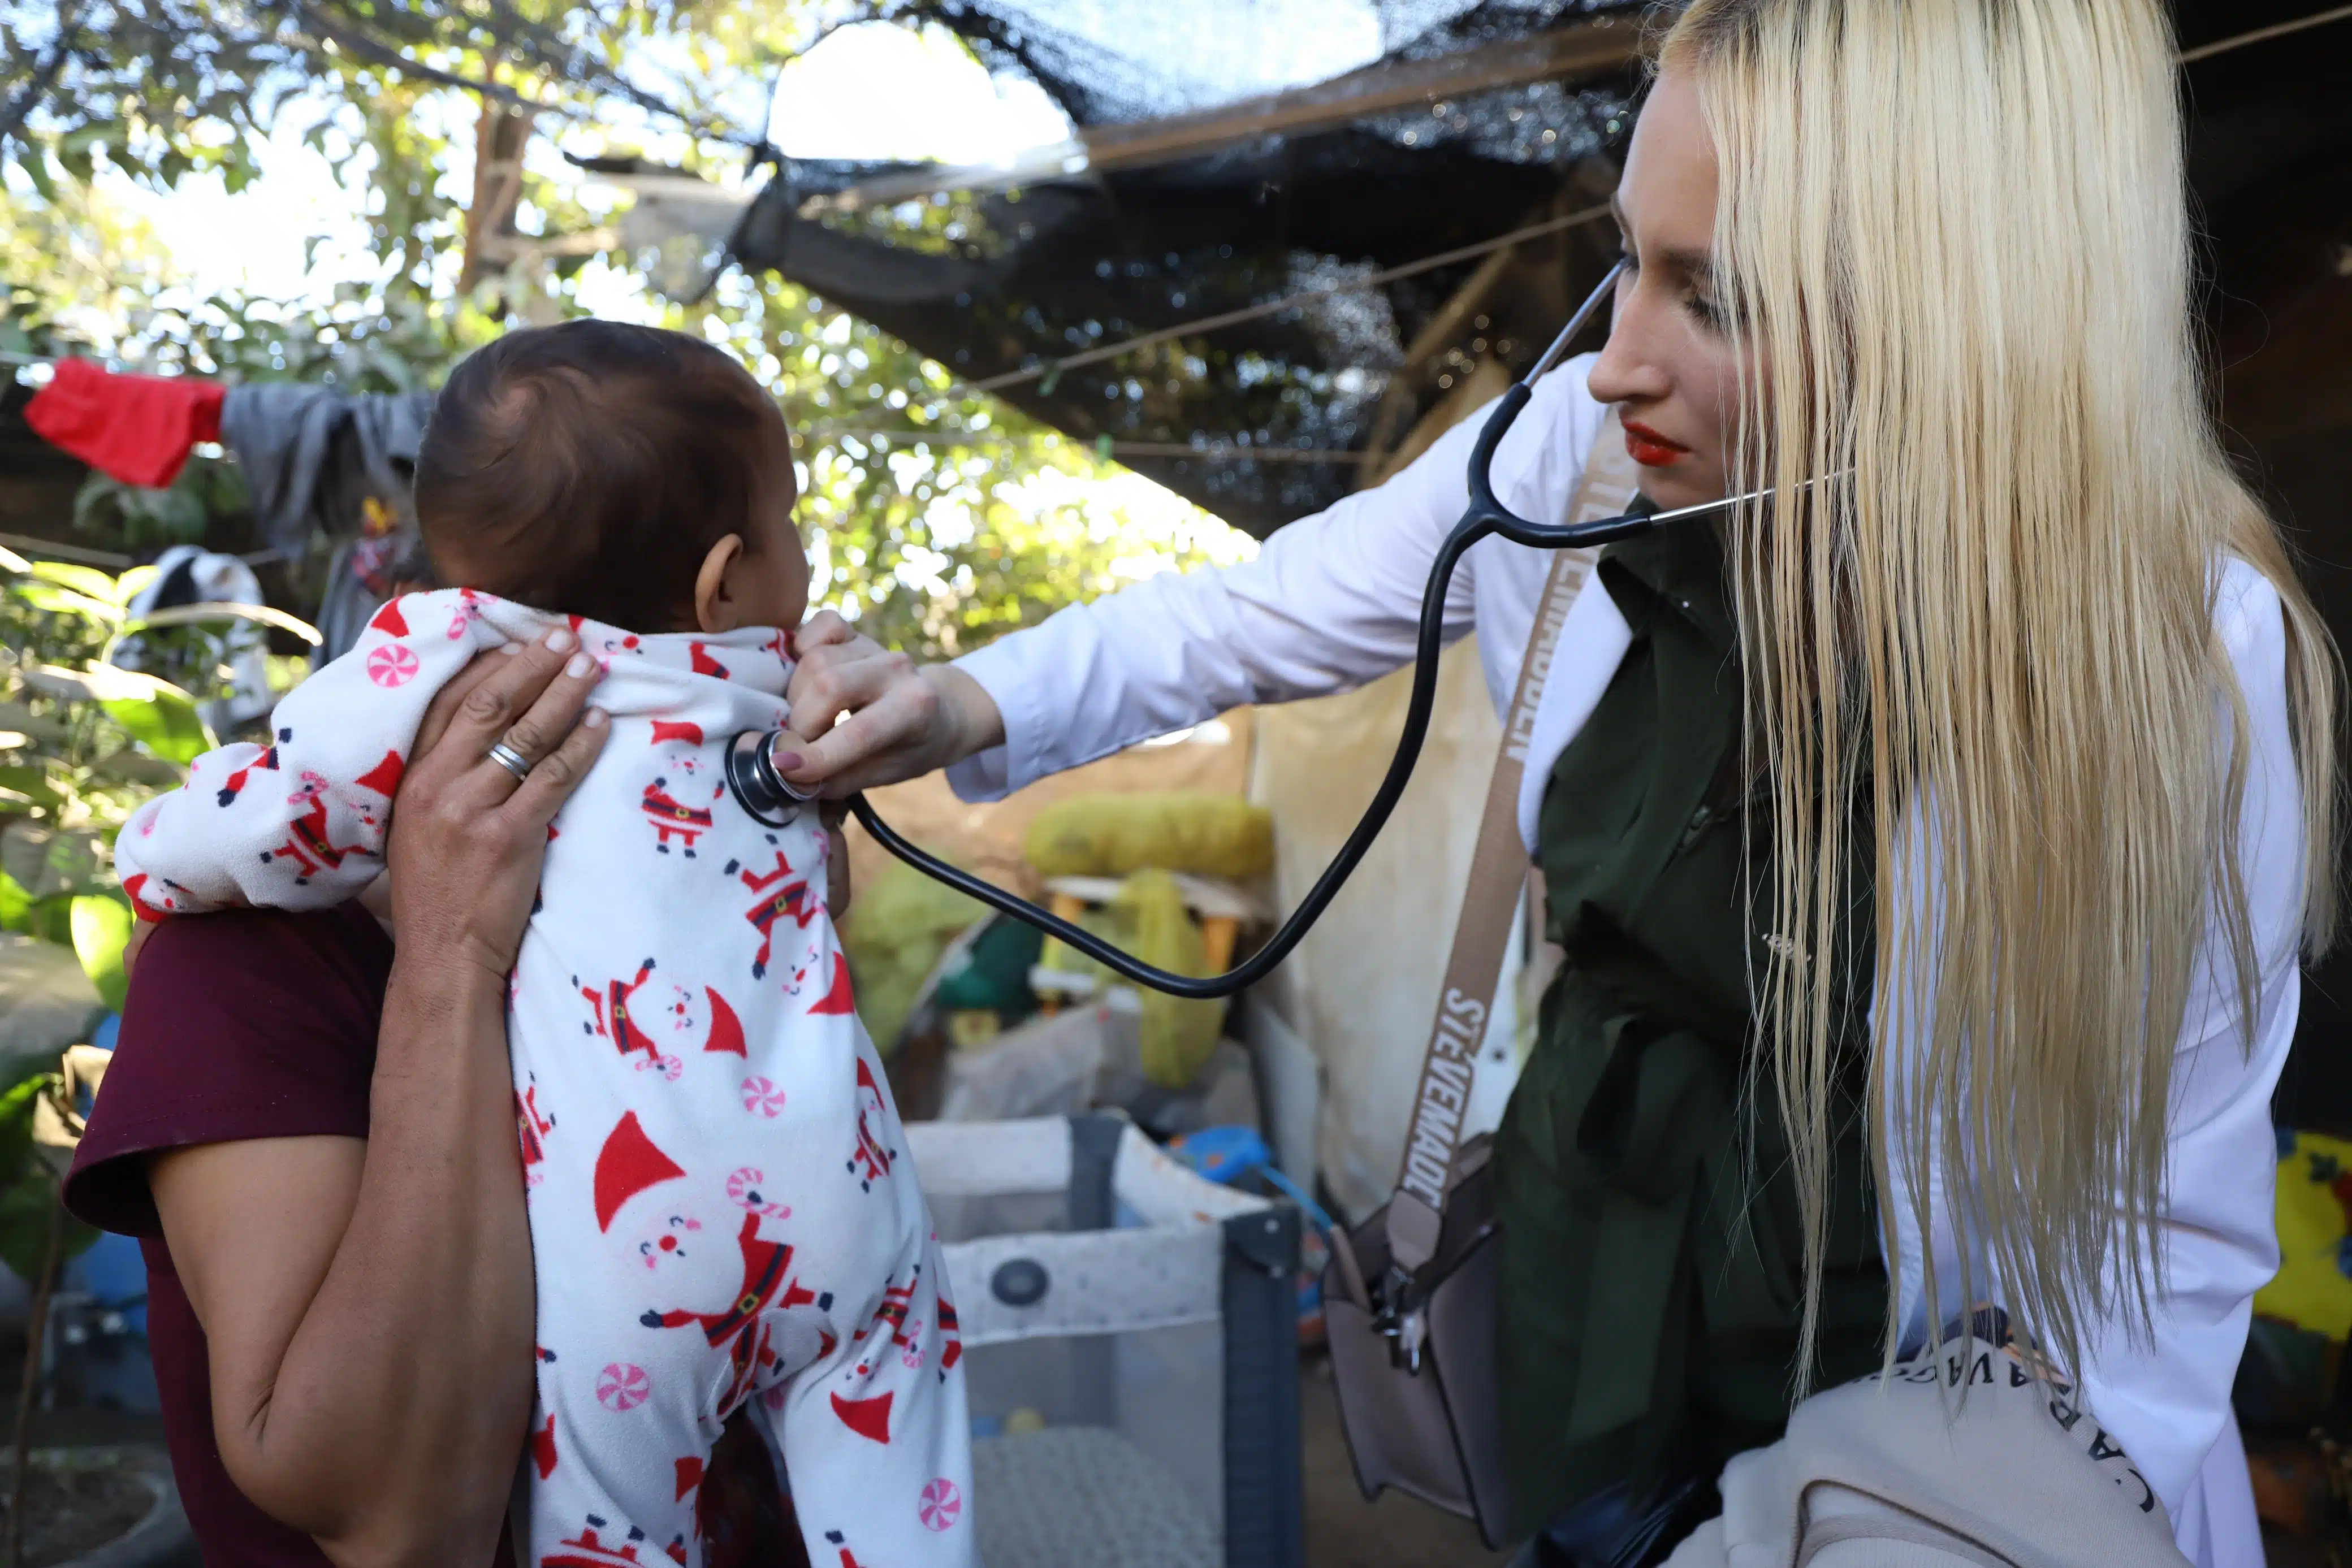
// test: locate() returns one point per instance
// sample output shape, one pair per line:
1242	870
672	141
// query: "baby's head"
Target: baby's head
635	476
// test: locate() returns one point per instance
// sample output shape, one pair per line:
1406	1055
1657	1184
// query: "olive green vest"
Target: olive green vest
1652	1262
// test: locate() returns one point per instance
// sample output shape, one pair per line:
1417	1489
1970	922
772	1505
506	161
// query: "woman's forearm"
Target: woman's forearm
399	1411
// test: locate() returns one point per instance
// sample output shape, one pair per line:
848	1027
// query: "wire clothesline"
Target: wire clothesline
1054	368
1213	451
2264	34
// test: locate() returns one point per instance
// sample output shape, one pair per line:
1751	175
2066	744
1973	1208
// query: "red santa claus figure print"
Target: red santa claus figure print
871	1161
266	762
467	611
734	1328
744	1190
891	1326
838	1000
684	821
628	1162
605	645
586	1551
612	1003
950	1334
310	843
679	746
666	1241
783	897
390	620
532	1129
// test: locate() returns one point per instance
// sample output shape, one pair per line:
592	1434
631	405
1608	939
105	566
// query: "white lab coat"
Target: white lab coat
1332	601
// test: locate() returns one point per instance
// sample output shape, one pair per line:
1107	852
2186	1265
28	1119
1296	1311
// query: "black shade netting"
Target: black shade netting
1283	414
1285	407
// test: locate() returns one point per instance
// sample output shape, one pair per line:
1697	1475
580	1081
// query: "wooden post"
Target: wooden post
501	134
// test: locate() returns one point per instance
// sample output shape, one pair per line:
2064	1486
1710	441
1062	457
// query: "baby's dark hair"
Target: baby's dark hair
587	469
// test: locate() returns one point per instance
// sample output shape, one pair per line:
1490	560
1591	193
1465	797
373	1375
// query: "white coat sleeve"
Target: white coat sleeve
2166	1396
1331	603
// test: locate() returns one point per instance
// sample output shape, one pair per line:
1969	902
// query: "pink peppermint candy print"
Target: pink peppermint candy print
744	1190
468	610
622	1387
762	1097
391	665
942	1505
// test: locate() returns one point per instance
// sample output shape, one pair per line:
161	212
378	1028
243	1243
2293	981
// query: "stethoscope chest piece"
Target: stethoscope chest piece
765	794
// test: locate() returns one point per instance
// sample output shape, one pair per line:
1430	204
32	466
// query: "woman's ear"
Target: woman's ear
715	609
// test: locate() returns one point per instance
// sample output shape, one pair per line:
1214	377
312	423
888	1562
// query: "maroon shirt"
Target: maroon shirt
259	1024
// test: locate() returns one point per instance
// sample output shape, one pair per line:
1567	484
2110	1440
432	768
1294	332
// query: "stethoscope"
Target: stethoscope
770	798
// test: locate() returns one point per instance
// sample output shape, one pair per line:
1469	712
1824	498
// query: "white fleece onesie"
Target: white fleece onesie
719	1214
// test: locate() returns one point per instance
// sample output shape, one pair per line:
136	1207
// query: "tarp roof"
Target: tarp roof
1234	153
1427	126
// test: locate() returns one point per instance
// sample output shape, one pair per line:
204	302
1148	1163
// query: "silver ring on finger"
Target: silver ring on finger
513	761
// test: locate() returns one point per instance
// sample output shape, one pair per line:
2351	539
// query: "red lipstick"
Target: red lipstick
1650	449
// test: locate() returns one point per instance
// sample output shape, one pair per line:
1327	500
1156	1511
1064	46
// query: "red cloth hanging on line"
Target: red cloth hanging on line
137	429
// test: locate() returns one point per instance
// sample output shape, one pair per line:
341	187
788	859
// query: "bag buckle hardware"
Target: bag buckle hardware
1402	1321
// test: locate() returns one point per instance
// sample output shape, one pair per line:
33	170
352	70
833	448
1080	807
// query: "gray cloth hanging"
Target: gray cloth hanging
311	455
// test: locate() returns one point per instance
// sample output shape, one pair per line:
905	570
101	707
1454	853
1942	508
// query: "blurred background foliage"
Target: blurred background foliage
937	519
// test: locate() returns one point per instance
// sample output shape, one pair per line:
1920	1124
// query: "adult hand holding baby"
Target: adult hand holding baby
467	835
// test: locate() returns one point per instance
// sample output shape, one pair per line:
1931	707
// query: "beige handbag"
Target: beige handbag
1410	1296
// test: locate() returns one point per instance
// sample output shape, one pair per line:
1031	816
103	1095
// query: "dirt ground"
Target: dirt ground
1343	1531
73	1502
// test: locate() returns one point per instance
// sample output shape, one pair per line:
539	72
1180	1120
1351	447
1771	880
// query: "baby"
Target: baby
719	1214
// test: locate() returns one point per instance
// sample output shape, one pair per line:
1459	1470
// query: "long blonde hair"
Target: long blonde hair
1953	237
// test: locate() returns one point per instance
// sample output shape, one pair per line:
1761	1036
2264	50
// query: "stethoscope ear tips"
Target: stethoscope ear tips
769	797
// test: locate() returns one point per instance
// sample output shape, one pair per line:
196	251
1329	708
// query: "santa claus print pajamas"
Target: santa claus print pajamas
720	1216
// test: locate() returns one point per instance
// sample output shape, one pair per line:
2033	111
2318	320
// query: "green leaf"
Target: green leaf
102	930
66	601
48	863
129	766
16	1104
127	585
15	906
159	715
200	614
166	724
30	784
89	580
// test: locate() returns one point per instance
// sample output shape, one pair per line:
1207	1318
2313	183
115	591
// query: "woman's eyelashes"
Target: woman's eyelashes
1697	299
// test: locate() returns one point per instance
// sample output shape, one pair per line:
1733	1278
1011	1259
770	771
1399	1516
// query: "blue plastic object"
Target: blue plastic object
1230	1155
1223	1155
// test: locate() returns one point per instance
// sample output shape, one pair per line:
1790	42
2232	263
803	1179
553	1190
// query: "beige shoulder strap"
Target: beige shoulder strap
1498	870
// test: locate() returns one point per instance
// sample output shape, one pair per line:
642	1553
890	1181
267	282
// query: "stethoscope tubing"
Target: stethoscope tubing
1485	515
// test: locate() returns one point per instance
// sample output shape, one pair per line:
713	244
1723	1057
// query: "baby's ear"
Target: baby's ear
716	609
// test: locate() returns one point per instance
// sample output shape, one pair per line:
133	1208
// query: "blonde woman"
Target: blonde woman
1932	847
